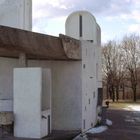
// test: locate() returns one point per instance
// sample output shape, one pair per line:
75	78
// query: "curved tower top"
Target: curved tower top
82	25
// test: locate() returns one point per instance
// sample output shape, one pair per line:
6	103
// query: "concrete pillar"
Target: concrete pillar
22	60
32	114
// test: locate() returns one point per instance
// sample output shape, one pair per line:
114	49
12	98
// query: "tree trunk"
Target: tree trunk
110	92
113	93
107	92
134	94
117	93
123	93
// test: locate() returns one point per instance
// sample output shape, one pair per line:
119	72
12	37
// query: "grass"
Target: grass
123	104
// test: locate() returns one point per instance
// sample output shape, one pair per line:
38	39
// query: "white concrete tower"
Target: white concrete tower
16	13
83	26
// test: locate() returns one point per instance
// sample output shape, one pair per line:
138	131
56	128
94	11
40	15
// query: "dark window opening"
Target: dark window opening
84	124
94	94
49	124
89	101
84	66
80	26
91	41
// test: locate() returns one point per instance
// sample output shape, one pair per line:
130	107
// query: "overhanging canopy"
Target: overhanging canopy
37	46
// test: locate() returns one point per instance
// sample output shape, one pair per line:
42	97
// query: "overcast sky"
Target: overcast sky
115	17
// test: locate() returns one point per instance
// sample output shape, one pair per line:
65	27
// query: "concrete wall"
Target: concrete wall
30	120
91	61
16	13
66	93
90	31
99	53
46	89
89	88
67	101
73	86
6	77
88	26
6	105
67	97
27	102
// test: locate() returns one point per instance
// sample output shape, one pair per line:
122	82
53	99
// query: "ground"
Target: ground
126	122
126	125
56	136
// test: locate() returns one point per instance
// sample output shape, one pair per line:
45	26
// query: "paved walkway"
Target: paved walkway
55	136
126	125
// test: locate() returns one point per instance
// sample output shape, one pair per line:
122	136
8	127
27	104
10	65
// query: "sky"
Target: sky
115	17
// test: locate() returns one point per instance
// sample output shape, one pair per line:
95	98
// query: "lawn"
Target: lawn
126	105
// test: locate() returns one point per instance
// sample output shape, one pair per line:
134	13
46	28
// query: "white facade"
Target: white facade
75	84
66	95
82	25
89	92
16	13
6	105
88	26
70	90
32	97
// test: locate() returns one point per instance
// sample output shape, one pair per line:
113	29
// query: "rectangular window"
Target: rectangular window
84	124
80	26
89	101
84	66
93	94
85	108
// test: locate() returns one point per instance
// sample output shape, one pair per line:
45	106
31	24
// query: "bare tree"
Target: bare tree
119	70
130	46
106	59
112	68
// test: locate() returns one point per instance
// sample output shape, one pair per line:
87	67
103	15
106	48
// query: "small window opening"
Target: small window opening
80	26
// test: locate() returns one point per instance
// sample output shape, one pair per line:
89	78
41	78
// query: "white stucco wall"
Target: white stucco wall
16	13
27	102
6	105
99	53
91	62
89	88
67	103
6	83
66	93
28	113
6	77
88	26
90	31
67	97
46	89
72	88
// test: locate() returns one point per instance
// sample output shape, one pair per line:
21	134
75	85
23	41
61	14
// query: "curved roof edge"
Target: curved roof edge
37	46
80	11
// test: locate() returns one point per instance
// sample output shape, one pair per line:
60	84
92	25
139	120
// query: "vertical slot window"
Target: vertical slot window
85	108
89	101
84	124
80	26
